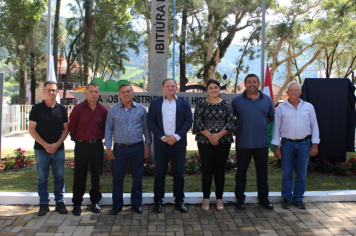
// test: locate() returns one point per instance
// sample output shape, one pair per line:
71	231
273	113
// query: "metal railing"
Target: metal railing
16	117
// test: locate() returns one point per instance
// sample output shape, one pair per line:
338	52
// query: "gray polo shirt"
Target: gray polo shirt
252	120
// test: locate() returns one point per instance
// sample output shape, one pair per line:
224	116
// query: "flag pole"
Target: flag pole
263	31
174	37
49	36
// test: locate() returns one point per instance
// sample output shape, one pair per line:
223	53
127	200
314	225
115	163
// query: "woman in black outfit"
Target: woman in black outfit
213	126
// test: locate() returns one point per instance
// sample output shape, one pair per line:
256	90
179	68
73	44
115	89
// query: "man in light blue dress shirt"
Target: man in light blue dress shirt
295	122
127	124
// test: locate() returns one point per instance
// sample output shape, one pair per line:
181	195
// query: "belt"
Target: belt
128	145
90	141
299	140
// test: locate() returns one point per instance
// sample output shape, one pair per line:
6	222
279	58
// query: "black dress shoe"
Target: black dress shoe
286	204
265	203
299	204
240	202
95	208
180	207
115	210
61	208
137	208
76	210
43	210
158	207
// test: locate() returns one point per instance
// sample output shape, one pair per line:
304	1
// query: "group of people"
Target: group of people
127	129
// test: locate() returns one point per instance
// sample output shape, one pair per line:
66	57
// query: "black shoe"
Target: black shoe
158	207
61	208
76	210
241	202
115	210
299	204
180	207
95	208
43	210
137	208
286	204
265	203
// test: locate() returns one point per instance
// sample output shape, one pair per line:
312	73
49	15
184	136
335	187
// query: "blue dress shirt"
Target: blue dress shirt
127	126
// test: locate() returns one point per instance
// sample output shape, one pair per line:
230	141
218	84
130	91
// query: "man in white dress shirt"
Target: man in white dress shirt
169	118
295	122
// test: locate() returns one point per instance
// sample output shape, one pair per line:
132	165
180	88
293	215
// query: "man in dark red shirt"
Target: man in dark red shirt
87	129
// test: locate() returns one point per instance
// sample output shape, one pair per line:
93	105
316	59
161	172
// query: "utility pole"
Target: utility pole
263	31
49	29
1	102
174	37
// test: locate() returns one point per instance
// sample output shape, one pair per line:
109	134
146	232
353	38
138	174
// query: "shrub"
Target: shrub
193	164
352	160
21	159
10	165
322	165
149	169
231	162
342	168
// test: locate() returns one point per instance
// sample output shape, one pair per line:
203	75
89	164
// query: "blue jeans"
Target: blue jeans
135	157
294	156
177	155
44	160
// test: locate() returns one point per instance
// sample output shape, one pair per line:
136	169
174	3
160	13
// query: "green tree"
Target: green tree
18	23
212	31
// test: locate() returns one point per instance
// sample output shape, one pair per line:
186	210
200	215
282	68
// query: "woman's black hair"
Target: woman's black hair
212	81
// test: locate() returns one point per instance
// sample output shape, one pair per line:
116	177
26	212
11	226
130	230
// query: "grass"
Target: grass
26	181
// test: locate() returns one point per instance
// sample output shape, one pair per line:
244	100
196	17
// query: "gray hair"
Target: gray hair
294	83
124	85
92	84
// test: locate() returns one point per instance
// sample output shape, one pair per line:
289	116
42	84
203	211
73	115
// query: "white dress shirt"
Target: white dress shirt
294	123
169	116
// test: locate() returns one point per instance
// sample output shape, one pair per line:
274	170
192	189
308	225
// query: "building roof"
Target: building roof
136	88
68	95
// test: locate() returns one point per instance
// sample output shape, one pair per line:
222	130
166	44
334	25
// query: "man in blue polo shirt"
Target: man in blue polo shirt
254	111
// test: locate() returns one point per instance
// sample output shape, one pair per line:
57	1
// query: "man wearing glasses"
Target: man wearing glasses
49	127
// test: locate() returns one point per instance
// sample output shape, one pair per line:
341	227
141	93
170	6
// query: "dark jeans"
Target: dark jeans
162	156
260	156
83	154
213	162
135	157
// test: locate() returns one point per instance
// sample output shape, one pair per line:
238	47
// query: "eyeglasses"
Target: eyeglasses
51	90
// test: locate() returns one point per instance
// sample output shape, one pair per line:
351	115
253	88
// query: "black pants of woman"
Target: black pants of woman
213	162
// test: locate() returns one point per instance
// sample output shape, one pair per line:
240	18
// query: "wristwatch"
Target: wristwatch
162	137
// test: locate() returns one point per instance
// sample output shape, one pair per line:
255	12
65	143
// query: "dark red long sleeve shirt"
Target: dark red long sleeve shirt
86	124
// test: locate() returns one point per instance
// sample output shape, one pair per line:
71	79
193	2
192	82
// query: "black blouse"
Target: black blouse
214	118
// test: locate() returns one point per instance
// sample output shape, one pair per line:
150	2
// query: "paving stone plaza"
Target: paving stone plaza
320	218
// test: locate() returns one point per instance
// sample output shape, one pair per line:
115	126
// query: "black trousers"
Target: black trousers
260	156
83	153
213	162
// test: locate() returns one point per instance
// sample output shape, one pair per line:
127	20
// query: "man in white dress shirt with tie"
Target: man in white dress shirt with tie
295	123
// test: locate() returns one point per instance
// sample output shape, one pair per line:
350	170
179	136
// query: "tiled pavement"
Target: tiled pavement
320	218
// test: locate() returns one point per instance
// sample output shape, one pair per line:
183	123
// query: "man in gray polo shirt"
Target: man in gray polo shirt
254	111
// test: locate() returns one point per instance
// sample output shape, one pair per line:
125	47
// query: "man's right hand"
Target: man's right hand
277	152
109	154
